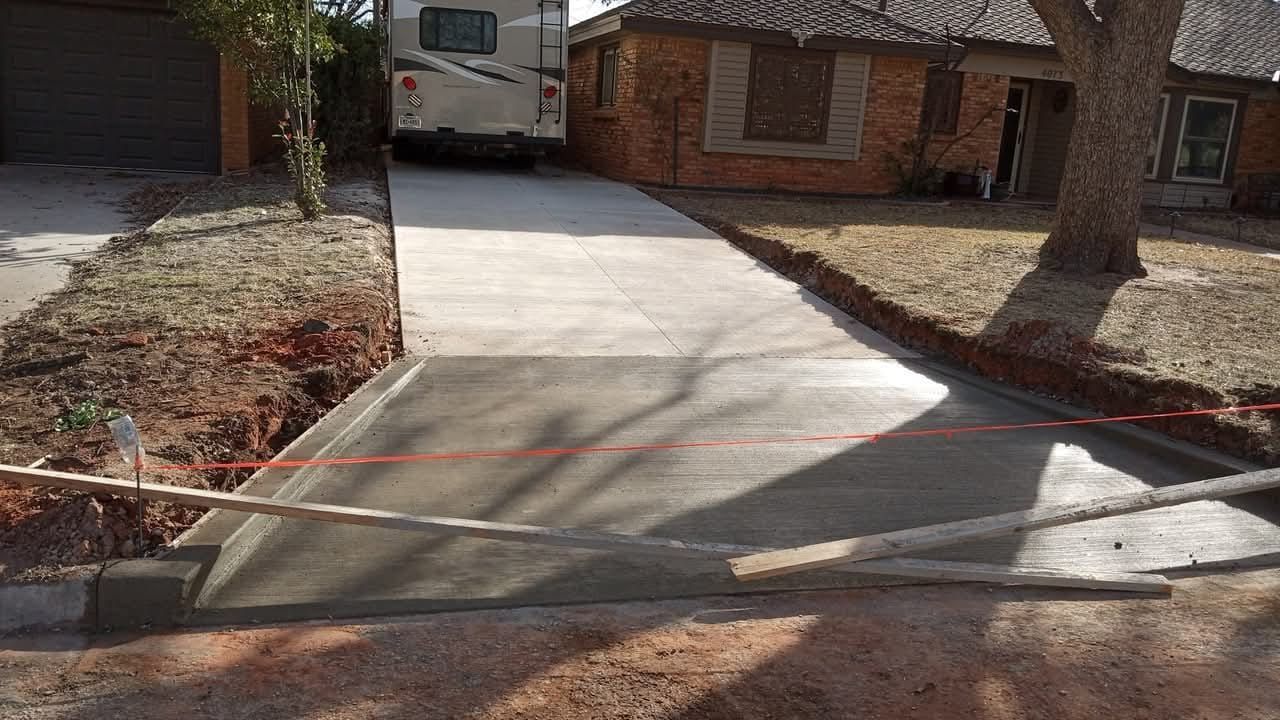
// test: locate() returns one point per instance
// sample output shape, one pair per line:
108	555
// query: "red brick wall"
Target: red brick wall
247	128
981	92
1259	138
598	138
264	125
633	142
234	95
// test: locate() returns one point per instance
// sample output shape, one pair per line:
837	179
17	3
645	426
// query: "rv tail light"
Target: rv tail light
409	83
550	92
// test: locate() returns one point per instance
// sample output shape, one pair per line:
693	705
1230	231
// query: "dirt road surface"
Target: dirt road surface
1211	651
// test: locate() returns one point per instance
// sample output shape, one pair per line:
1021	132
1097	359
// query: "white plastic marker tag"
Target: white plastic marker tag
125	433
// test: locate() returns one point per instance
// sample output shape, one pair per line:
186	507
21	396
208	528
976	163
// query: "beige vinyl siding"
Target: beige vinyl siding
1190	196
1152	193
727	107
1053	132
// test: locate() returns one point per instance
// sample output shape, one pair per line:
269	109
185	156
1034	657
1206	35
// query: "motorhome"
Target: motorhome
483	74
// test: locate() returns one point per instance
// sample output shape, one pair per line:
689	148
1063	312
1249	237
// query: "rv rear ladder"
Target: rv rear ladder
553	105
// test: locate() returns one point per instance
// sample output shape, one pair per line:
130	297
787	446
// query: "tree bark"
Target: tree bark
1118	62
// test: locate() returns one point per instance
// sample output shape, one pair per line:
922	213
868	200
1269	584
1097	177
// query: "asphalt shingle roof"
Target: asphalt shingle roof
1235	38
1240	38
844	19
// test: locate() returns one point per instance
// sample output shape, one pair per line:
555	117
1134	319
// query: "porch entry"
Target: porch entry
1013	134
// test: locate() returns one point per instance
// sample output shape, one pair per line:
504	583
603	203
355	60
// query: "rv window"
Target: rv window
608	76
467	31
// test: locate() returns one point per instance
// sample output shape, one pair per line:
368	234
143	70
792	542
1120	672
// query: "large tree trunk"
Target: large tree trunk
1118	61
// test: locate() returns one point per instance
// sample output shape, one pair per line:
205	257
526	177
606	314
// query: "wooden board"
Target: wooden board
905	567
902	542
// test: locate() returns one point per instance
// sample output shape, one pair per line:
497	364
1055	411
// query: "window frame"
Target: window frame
605	50
1166	101
830	56
1226	150
954	126
438	10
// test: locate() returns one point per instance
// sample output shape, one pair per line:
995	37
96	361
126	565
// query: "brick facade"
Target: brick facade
633	140
246	128
982	104
233	93
1259	139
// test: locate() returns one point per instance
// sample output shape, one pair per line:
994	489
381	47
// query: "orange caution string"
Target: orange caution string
553	452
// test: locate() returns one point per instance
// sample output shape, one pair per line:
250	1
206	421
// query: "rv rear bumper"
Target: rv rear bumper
433	137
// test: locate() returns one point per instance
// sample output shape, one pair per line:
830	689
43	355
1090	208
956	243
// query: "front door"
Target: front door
1015	124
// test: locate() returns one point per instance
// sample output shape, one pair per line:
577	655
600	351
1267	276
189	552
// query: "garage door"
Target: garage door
105	87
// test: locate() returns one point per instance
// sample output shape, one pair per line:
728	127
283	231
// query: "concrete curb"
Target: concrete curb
67	603
163	591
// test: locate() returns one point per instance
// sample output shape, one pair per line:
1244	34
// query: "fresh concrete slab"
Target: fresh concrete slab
774	495
572	311
50	217
516	264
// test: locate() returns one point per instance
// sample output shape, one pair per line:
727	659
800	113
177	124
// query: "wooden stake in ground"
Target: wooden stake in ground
929	569
902	542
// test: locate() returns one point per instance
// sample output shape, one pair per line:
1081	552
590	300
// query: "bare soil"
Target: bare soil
961	281
195	328
1210	652
1262	231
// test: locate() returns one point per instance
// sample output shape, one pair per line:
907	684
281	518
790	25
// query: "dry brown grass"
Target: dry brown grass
195	328
229	262
1260	231
1205	314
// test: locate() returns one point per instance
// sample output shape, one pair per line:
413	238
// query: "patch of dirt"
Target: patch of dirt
1209	652
224	330
149	202
1257	230
962	282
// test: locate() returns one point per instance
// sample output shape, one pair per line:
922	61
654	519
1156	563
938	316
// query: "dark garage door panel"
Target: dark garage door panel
105	87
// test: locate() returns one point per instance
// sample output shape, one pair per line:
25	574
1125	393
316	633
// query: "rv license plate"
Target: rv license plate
410	121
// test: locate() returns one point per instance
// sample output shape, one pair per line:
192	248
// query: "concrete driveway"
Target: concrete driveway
48	218
570	311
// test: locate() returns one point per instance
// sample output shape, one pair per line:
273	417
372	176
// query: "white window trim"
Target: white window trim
1231	128
1165	102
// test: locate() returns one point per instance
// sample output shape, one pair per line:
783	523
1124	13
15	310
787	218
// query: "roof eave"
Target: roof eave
596	28
711	31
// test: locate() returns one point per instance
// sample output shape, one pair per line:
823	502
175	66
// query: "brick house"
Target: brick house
121	84
816	96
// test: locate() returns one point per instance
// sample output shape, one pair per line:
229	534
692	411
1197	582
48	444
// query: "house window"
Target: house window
607	77
1205	138
942	90
789	95
1156	142
463	31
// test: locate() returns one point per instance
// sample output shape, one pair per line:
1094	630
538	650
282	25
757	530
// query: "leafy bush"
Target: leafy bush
349	89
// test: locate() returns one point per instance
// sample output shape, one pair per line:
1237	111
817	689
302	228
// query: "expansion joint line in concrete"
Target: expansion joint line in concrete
614	280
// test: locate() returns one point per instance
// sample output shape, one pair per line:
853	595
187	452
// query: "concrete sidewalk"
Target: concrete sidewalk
50	217
571	311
